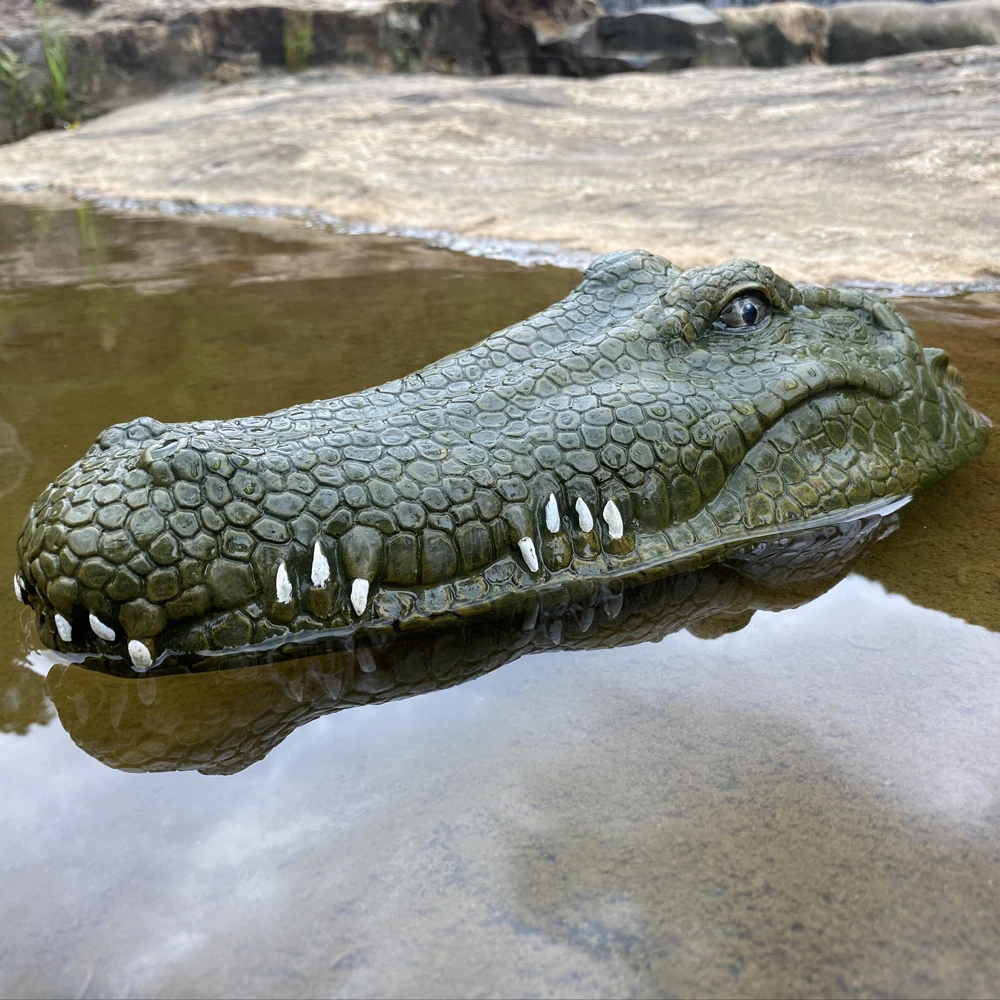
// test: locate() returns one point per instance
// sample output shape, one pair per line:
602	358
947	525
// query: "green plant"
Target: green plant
12	73
54	44
297	38
17	99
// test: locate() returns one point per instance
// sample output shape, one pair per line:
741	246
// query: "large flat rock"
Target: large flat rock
887	171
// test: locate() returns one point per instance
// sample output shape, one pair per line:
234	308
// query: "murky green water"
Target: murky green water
807	805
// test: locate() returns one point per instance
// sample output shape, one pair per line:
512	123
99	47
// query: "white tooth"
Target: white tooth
320	568
101	630
527	547
359	595
552	514
18	590
64	629
586	619
282	585
139	654
613	517
583	512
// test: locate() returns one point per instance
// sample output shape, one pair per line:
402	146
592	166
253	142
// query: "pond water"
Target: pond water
799	801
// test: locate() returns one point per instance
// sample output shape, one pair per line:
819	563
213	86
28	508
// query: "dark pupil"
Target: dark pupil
749	313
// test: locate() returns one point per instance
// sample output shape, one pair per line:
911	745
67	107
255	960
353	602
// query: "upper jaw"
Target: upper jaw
269	570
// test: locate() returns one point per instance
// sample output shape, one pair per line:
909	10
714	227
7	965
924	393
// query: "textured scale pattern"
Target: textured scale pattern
421	493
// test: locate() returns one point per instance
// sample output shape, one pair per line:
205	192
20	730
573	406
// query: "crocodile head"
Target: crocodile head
650	422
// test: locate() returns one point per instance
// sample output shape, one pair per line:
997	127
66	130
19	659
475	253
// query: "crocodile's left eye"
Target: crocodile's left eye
748	310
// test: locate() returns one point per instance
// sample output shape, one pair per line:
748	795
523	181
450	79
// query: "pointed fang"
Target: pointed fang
552	514
64	629
527	547
18	589
583	512
139	654
320	574
613	517
359	595
101	630
282	585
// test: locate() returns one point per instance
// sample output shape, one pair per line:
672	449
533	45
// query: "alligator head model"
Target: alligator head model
652	421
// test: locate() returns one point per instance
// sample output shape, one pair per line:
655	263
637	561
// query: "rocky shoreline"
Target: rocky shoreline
114	52
884	172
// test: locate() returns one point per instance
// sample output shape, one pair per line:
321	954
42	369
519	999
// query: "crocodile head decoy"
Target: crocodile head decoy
653	421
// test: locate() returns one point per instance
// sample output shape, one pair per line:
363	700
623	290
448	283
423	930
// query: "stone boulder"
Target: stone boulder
780	34
652	39
861	31
125	50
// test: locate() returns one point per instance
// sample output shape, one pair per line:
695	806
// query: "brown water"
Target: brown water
808	805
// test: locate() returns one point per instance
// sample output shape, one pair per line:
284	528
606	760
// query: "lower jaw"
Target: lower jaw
393	612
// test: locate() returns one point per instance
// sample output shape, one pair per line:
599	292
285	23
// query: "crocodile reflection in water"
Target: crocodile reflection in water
651	422
222	721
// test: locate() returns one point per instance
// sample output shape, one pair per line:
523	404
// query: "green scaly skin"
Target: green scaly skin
434	491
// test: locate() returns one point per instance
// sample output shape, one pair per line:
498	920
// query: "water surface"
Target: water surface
806	805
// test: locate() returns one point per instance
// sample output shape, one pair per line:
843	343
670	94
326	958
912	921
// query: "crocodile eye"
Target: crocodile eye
745	311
